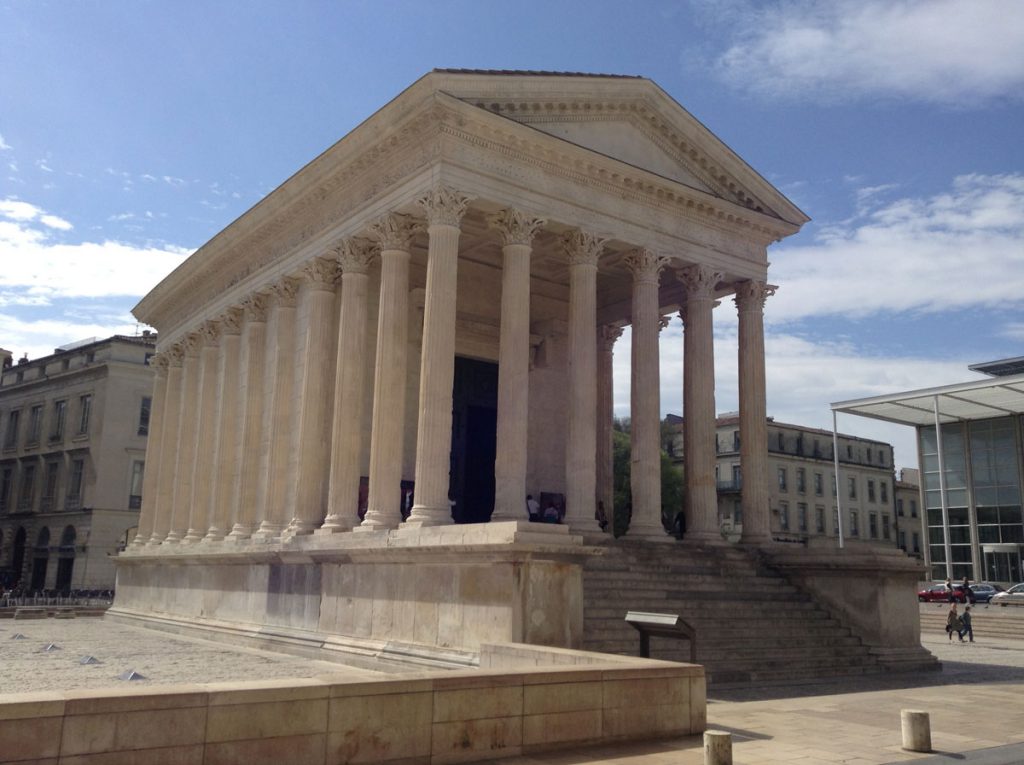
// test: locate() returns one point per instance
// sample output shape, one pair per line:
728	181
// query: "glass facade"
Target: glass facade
954	456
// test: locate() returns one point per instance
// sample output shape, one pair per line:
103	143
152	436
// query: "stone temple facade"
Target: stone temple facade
417	328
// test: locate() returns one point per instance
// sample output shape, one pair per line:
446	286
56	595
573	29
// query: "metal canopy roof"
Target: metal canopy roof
978	400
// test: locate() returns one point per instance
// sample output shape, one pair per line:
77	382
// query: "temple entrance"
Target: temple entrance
474	438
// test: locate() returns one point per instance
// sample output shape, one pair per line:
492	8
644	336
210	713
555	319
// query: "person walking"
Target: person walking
953	622
966	629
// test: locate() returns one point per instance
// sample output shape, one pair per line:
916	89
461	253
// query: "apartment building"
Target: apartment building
73	429
803	485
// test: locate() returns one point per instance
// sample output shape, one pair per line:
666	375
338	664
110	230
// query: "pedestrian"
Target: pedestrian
953	622
968	593
966	622
949	590
533	508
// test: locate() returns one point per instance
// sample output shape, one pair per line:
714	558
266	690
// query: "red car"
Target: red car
939	594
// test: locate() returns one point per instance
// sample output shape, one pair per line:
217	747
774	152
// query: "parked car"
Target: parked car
983	591
1012	597
938	593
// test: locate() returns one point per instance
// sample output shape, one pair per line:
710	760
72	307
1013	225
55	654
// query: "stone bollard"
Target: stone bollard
917	730
717	747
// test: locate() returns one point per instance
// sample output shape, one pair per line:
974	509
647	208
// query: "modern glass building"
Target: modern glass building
970	454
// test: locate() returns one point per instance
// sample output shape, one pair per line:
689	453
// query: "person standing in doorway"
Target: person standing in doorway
533	508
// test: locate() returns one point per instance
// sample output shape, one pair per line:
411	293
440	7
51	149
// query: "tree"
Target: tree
671	485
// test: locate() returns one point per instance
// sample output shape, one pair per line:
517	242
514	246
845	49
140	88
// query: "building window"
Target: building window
144	416
835	521
886	529
852	482
801	480
74	497
782	479
913	508
6	481
871	490
28	488
11	434
867	456
35	424
65	365
899	507
735	440
835	488
737	513
873	525
917	543
883	491
84	408
881	457
135	491
60	412
784	516
801	516
854	528
48	500
819	519
819	484
90	357
782	442
849	452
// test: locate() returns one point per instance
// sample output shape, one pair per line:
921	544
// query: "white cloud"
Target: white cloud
959	249
944	51
41	164
4	146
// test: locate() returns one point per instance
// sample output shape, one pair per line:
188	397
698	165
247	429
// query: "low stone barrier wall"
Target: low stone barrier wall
436	717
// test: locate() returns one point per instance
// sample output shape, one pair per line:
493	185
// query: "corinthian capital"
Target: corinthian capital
515	226
175	355
255	306
284	292
700	281
190	345
321	273
160	361
395	231
210	332
355	255
607	334
645	264
582	248
231	321
750	295
444	205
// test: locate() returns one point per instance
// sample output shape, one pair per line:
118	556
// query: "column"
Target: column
206	433
151	476
444	208
354	258
250	413
317	346
280	360
607	334
225	458
701	503
645	397
383	510
166	475
188	422
750	297
517	230
582	251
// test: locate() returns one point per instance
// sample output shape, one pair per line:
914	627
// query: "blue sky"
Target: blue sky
131	132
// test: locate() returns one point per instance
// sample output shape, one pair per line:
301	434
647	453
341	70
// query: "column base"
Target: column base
240	532
422	515
584	527
375	520
174	537
155	541
705	538
193	536
332	526
649	532
298	528
268	532
214	535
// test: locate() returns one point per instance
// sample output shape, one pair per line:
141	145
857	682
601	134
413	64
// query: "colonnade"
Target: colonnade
256	431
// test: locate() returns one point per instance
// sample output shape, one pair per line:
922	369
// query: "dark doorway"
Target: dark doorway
18	560
474	438
41	560
66	559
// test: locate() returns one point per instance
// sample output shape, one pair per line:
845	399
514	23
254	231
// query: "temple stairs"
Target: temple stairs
752	625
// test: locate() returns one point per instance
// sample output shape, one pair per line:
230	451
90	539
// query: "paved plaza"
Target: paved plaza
975	702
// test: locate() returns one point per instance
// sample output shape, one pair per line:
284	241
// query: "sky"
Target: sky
131	132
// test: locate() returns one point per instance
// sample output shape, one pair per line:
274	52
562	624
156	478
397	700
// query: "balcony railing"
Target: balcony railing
732	484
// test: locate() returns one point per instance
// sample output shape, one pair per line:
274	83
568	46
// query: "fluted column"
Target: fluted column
645	397
316	395
206	433
280	358
582	251
750	298
154	443
517	230
250	428
166	477
444	208
354	258
185	446
383	510
699	404
225	444
607	334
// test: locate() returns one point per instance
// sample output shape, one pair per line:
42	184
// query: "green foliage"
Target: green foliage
671	484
